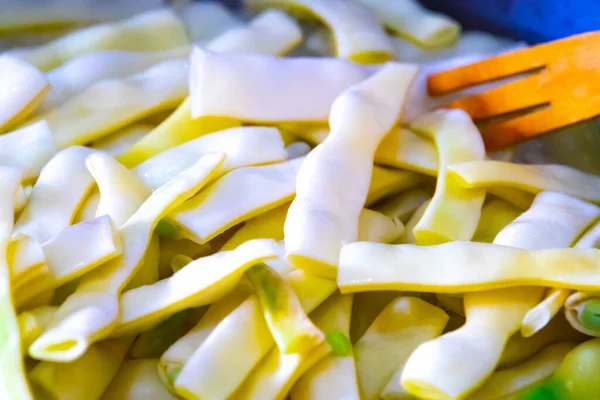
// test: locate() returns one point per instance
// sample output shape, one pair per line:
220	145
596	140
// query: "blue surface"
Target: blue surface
534	21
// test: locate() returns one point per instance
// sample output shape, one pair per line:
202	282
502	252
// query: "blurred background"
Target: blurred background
534	21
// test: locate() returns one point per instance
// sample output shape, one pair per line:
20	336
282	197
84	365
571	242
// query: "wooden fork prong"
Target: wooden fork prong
491	69
513	96
513	131
509	64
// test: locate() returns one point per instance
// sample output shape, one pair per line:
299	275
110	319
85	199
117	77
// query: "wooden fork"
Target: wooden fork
568	82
